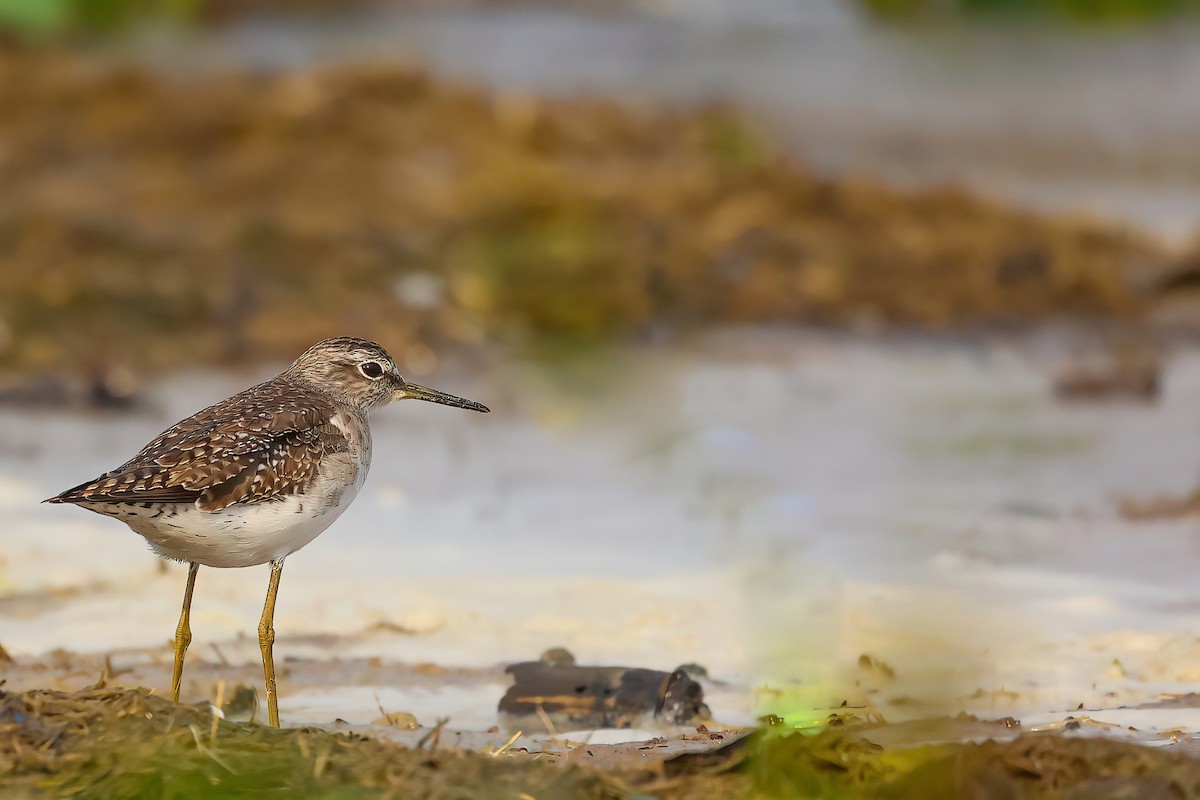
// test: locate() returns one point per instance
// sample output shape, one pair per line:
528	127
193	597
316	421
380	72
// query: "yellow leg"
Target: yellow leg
183	633
266	638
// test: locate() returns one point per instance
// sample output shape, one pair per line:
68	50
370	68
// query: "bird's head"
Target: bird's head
362	373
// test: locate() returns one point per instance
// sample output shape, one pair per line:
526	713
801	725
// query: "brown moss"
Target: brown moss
116	743
1043	766
110	743
150	221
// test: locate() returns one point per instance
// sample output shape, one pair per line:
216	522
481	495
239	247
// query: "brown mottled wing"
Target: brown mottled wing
255	446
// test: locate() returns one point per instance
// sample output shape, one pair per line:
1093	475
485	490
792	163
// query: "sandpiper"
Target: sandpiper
259	475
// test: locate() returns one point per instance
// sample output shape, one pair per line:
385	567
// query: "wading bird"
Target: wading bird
256	477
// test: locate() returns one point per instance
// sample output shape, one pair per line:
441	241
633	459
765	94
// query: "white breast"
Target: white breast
240	535
244	535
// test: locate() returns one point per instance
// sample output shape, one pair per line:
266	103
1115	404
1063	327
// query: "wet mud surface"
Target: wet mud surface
982	567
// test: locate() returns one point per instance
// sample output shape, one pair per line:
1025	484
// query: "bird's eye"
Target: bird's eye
371	369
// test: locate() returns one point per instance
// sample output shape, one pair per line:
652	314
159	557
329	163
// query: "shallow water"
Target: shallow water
771	505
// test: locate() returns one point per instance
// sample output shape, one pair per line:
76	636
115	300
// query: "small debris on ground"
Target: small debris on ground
556	694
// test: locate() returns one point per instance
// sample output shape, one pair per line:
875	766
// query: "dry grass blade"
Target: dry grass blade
504	747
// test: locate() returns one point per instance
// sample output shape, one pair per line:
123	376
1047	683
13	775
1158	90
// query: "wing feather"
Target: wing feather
261	444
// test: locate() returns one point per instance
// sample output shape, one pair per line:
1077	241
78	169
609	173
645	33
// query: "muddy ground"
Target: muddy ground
114	743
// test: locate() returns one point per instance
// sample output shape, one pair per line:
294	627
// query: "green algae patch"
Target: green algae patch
1038	766
110	743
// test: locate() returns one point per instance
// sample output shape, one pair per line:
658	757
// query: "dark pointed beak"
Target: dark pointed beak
412	390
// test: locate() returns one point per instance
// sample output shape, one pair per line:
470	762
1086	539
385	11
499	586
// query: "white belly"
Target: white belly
241	535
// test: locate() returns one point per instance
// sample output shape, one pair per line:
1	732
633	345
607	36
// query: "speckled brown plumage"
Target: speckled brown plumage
258	445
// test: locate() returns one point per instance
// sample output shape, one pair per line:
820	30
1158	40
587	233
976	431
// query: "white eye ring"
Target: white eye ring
371	369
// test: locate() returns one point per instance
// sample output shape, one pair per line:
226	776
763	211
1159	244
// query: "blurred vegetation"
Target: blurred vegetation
1077	11
150	221
40	19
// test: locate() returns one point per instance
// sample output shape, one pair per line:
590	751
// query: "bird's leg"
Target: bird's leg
183	633
266	638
